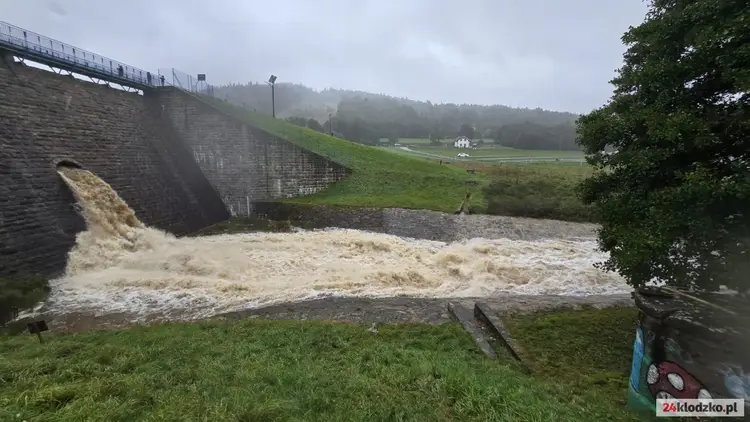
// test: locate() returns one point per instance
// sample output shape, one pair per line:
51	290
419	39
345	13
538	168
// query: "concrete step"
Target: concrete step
465	316
486	327
498	330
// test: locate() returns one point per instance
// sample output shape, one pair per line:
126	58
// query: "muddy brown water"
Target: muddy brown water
122	272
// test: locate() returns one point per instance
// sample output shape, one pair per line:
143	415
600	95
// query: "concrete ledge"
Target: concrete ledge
463	315
484	313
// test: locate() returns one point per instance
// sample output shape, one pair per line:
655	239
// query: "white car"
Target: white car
462	154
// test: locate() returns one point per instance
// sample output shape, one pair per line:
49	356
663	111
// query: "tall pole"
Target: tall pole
330	124
273	101
272	82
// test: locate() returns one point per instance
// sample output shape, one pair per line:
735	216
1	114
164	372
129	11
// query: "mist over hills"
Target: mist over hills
366	117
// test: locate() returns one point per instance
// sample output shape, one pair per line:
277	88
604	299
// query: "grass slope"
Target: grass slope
379	178
590	348
543	190
277	371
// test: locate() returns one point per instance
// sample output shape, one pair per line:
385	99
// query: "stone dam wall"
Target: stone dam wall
179	163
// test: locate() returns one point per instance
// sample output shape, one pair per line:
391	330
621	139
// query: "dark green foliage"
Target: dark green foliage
674	200
466	130
296	120
308	123
528	135
537	191
535	199
315	125
19	293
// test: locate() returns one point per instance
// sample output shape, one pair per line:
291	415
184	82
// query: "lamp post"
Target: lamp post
272	82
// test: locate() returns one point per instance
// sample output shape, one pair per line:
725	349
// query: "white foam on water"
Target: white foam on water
120	265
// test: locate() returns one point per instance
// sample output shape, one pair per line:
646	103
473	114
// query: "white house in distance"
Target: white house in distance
462	142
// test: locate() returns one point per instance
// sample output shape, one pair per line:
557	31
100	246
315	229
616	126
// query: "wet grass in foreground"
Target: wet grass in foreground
588	348
278	371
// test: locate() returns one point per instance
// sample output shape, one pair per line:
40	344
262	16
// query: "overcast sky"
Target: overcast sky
554	54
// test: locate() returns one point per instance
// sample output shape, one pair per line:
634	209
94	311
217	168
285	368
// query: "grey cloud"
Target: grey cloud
534	53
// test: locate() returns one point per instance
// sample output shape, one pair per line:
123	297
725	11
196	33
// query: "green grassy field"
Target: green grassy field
279	371
494	152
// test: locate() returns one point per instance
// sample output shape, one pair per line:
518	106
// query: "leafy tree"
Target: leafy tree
533	136
497	136
674	197
315	125
434	139
466	130
308	123
299	121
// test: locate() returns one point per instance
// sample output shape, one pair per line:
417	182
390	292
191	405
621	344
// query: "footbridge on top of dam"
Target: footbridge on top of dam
28	45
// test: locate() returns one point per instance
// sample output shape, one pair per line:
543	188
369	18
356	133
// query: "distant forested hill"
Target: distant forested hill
365	117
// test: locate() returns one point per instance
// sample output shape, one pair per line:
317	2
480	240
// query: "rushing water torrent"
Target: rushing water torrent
120	265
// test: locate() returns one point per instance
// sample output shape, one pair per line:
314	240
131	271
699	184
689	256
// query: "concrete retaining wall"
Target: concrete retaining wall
243	163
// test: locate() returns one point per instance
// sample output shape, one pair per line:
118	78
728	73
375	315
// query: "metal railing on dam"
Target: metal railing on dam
38	48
